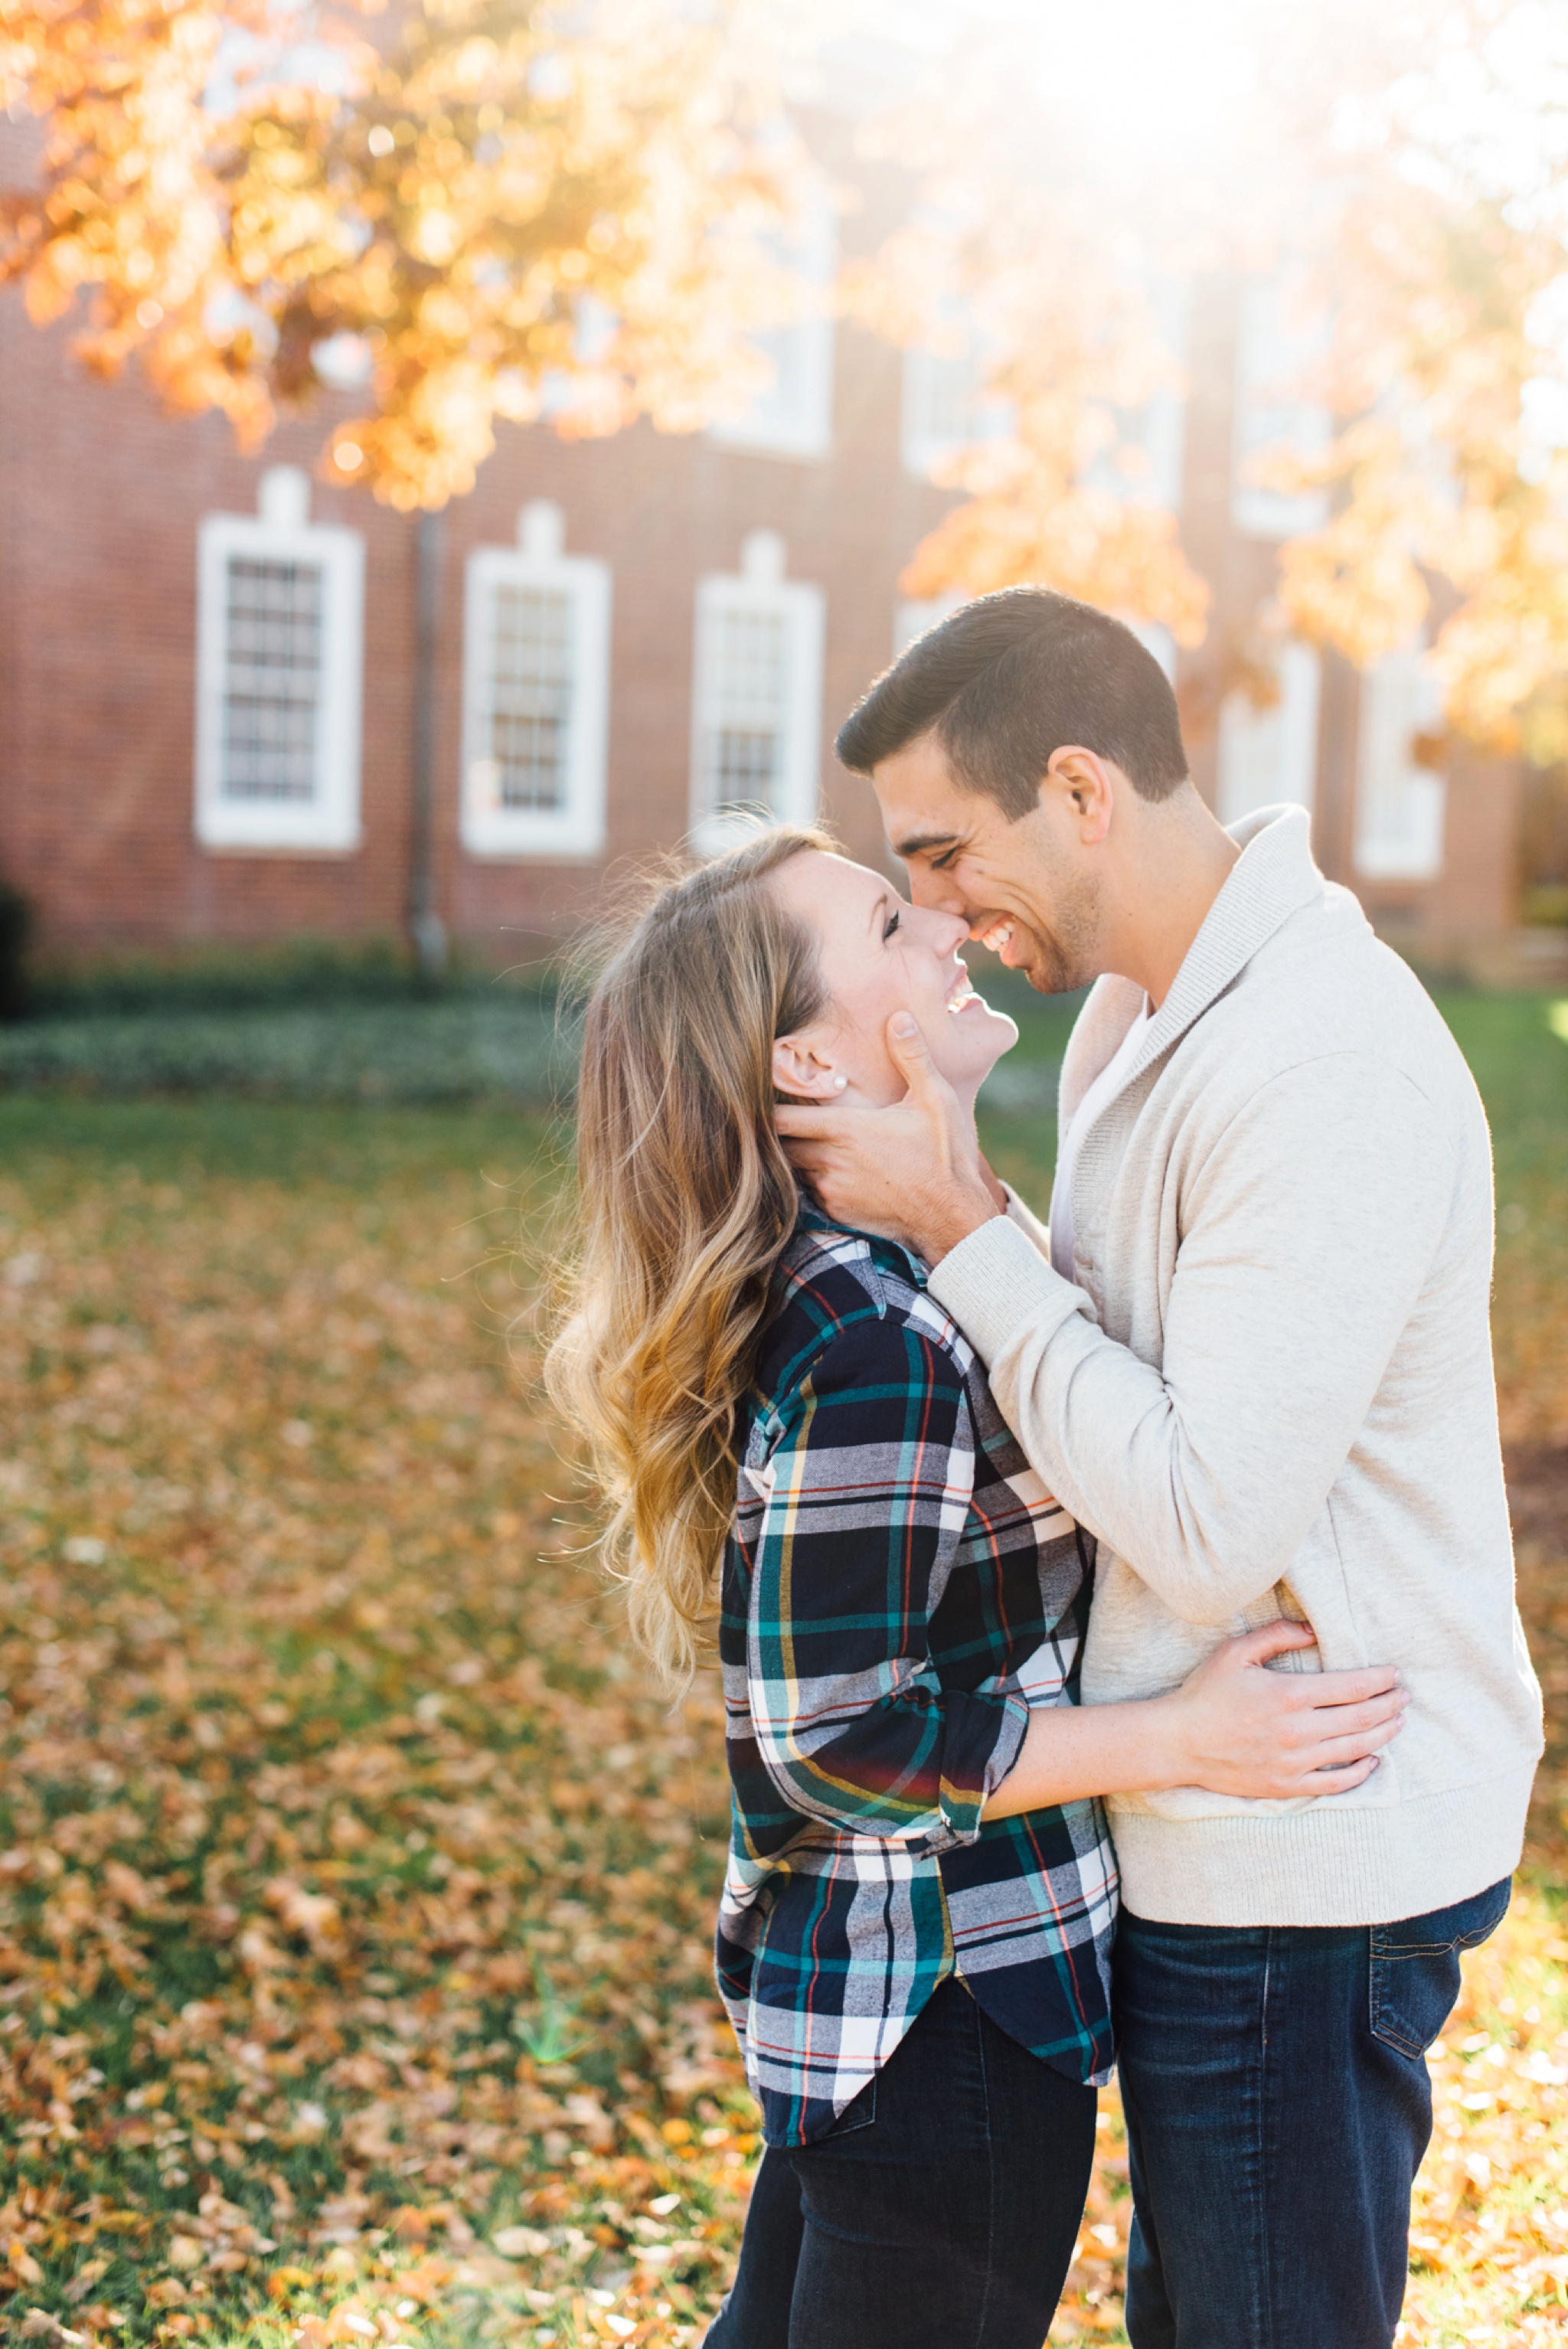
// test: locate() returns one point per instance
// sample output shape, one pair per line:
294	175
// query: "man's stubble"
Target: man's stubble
1067	936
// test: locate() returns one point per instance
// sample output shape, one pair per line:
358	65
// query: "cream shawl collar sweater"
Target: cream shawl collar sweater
1270	1391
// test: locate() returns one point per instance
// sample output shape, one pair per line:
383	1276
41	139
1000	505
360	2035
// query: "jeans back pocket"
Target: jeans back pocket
1415	1967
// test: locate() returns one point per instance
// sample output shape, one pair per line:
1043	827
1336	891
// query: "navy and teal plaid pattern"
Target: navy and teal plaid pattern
900	1590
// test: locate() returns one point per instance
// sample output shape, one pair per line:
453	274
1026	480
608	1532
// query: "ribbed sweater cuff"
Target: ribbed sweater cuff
1028	1222
995	1284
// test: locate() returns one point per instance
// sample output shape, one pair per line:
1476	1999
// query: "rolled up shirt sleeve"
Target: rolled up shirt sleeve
866	1493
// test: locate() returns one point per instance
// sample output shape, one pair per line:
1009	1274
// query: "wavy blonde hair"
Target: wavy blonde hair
686	1201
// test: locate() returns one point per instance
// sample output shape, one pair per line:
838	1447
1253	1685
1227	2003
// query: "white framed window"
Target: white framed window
1268	757
536	695
1399	805
1279	335
279	675
757	698
793	416
945	408
1146	464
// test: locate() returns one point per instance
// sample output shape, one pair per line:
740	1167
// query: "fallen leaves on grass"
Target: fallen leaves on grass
355	1893
1489	2228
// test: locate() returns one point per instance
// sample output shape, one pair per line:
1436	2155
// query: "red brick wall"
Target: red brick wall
1476	895
103	496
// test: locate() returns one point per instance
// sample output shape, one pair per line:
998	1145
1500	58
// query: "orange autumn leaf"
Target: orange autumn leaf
491	211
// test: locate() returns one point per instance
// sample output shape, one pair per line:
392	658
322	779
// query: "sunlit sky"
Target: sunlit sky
1167	78
1174	78
1473	94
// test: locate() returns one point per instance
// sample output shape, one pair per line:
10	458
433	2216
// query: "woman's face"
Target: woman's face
881	955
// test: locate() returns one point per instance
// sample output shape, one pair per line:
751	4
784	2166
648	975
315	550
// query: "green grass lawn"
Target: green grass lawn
497	1047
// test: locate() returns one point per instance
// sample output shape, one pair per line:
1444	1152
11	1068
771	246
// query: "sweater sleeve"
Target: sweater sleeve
1306	1236
1028	1222
867	1496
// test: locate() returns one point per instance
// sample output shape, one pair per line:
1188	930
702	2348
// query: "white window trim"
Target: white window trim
1165	441
807	430
760	587
1267	413
927	454
1400	812
577	828
1157	429
924	452
281	532
1293	720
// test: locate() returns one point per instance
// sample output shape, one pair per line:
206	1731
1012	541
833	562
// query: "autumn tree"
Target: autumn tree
496	208
1069	350
529	209
1408	163
1448	375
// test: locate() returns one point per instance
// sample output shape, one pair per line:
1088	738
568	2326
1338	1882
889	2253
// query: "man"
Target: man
1252	1354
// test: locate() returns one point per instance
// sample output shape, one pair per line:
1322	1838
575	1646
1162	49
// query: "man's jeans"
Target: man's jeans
940	2213
1277	2108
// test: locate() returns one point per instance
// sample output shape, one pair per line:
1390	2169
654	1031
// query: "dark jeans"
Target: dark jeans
1277	2109
939	2213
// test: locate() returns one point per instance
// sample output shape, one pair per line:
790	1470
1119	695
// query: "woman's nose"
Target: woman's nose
948	932
941	934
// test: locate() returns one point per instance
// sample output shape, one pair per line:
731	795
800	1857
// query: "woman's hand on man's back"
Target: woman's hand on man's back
1241	1729
1233	1727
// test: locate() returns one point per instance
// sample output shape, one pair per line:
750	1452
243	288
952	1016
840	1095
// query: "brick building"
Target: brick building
216	723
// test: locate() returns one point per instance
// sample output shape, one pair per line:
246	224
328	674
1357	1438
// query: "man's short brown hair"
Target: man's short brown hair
1004	682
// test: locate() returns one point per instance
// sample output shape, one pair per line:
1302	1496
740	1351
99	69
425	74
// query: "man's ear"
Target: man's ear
800	1071
1086	783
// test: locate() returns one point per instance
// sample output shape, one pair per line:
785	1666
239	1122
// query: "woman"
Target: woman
794	1440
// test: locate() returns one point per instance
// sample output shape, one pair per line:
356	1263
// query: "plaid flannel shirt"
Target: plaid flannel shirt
900	1590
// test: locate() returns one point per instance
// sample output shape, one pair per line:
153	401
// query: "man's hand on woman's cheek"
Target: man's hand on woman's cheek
914	1171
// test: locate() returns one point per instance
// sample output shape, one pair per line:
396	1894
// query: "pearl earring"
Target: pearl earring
840	1082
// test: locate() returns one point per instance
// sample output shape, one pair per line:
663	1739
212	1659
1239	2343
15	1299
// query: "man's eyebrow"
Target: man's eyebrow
920	843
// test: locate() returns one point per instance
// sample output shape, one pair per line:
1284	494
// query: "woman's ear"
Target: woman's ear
799	1069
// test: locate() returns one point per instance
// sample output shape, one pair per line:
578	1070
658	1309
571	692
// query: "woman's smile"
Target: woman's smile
880	955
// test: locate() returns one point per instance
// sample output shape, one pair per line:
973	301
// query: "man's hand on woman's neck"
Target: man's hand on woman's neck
913	1171
1102	879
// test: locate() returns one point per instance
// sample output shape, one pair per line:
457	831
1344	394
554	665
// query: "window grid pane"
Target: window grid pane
531	696
272	679
945	388
747	714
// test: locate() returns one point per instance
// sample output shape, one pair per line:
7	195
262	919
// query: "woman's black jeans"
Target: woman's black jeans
939	2213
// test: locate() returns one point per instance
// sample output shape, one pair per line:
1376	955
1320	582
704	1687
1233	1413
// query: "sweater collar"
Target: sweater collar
1273	878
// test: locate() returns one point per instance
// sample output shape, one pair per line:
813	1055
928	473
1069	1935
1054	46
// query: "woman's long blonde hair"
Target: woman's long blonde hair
687	1201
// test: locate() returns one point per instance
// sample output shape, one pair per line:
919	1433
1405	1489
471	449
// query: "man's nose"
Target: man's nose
938	892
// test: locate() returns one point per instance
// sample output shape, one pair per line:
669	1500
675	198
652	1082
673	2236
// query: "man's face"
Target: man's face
1027	890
